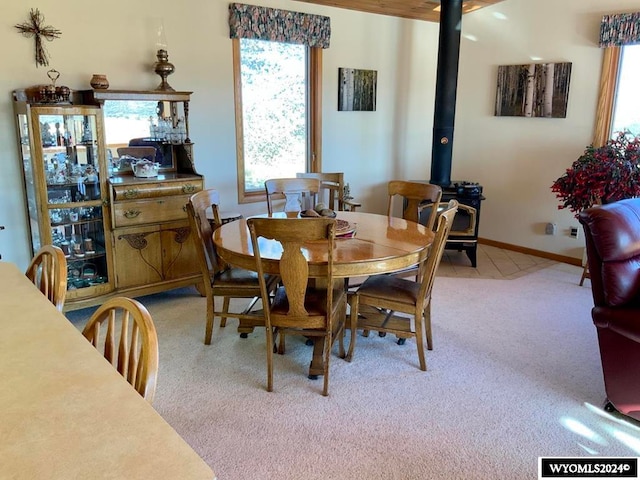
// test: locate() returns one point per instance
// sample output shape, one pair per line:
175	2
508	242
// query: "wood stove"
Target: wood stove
464	231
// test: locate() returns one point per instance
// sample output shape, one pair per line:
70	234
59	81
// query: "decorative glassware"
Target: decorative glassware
293	204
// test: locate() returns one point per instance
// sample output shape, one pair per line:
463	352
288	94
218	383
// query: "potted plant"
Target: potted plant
601	175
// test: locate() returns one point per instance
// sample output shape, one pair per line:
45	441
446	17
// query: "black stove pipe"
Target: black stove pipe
446	87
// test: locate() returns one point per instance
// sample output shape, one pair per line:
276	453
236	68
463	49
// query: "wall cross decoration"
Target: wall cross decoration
34	27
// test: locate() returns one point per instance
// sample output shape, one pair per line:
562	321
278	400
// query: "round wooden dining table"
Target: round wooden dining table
372	244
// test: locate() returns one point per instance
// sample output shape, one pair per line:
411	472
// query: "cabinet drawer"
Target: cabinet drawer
158	210
156	189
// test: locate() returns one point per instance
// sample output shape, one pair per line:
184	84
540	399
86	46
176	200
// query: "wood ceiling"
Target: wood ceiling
428	10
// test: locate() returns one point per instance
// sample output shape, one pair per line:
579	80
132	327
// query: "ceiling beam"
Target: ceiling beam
428	10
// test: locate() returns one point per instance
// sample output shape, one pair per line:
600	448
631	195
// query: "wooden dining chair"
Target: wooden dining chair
219	279
414	196
300	306
305	189
332	191
130	342
384	295
48	271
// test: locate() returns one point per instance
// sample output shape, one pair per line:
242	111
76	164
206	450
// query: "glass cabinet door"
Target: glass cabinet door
69	155
29	181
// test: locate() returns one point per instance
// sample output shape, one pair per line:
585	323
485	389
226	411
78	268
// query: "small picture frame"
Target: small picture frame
357	90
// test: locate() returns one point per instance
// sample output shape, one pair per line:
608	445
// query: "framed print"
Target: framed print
357	89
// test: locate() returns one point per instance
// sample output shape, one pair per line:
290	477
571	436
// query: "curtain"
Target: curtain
620	29
263	23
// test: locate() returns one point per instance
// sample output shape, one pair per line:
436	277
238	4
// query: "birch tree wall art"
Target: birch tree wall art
357	89
533	90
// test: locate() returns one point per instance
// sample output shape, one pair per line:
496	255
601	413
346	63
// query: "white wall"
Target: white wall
516	159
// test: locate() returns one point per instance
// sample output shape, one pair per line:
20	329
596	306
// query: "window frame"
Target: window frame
314	114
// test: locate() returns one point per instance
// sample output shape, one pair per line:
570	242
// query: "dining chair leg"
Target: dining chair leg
225	309
281	343
210	316
419	321
340	332
327	356
353	325
269	333
427	323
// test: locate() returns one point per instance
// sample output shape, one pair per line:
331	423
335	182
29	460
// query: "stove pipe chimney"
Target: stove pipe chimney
446	86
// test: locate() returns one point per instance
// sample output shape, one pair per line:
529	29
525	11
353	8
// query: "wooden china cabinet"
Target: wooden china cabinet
122	234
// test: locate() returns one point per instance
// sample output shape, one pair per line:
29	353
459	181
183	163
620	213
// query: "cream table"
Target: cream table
65	412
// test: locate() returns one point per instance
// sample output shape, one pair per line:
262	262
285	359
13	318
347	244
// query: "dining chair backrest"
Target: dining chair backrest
202	226
430	266
293	307
48	271
293	268
331	188
306	188
332	191
130	342
414	196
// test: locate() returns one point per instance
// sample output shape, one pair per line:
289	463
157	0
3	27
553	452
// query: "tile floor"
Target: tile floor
492	262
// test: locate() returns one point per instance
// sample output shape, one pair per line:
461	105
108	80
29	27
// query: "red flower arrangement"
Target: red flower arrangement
602	174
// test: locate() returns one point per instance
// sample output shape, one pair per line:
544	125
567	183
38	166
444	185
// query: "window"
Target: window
274	125
626	108
277	124
619	37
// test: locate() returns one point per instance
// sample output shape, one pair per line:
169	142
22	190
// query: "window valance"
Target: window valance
620	29
263	23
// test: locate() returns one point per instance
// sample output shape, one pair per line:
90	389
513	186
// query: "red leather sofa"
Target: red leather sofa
612	234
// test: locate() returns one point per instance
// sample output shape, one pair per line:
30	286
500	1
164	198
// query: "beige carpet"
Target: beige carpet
514	375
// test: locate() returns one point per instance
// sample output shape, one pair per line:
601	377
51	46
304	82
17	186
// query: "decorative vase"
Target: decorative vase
99	82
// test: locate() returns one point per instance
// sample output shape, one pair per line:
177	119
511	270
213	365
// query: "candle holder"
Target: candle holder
164	68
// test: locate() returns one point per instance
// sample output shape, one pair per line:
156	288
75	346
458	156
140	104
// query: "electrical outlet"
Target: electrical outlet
550	228
573	232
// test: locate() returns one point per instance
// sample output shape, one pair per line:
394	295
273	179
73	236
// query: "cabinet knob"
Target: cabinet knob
131	193
132	213
188	188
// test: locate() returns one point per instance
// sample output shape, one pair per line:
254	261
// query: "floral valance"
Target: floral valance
620	29
263	23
